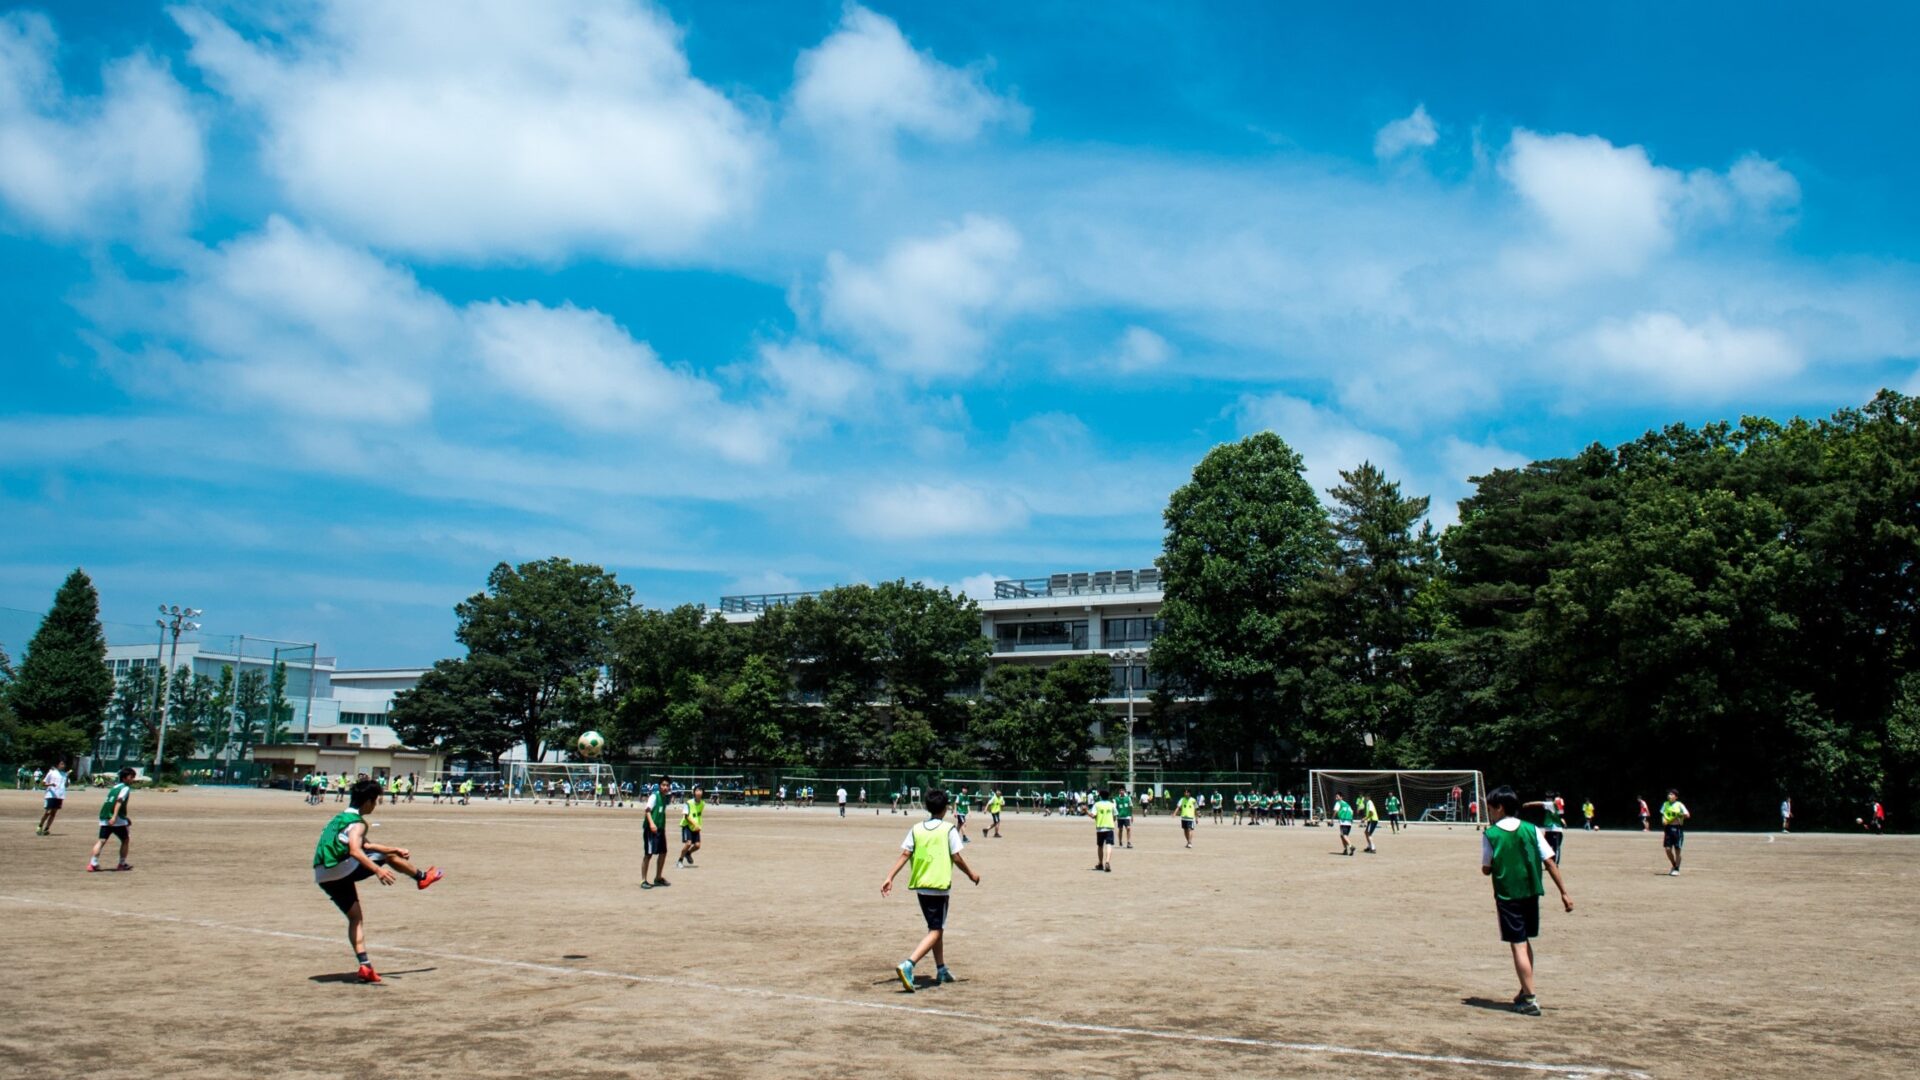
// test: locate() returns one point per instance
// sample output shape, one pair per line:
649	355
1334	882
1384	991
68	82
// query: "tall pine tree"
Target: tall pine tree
61	692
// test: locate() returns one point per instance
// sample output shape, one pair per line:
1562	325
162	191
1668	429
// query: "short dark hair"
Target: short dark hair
1673	791
936	802
365	791
128	773
1505	798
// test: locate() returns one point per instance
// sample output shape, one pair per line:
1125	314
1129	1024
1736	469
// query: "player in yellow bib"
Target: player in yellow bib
996	802
1188	810
691	814
1104	814
933	848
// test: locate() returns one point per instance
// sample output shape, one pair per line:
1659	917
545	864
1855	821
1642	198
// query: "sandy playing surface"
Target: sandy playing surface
1258	952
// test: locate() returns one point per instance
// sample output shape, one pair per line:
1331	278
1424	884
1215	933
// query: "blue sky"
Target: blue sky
313	311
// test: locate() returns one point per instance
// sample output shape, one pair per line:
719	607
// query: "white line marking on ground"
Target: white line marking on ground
1326	1049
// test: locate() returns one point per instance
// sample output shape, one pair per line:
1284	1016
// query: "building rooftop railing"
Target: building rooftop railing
758	602
1092	583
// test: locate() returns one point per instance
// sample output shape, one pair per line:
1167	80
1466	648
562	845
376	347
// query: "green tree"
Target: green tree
455	709
1031	717
64	679
1247	543
250	705
9	723
277	725
546	630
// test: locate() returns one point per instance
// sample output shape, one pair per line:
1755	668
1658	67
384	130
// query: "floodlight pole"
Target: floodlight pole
1129	657
178	619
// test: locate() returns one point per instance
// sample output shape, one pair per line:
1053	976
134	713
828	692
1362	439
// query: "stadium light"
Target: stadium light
1129	657
177	619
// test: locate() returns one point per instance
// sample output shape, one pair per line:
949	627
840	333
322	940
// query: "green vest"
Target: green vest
1554	823
657	809
332	849
1516	862
1123	806
113	796
932	865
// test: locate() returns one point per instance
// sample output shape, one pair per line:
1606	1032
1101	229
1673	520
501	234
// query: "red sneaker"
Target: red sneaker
368	975
432	875
93	868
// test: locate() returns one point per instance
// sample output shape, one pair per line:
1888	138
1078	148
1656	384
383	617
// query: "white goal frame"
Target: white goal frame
521	775
1472	784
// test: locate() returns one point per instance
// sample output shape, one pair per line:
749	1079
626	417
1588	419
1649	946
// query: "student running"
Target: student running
114	822
54	781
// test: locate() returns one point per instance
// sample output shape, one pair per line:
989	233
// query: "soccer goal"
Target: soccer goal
1023	795
568	783
486	784
1439	796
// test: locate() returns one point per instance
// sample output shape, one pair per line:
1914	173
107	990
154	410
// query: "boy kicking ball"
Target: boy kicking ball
344	857
114	822
933	847
1512	853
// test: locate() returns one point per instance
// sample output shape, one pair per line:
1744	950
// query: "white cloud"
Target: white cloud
1140	349
1709	359
126	161
866	83
926	510
1415	131
1763	184
1326	441
927	306
816	380
491	129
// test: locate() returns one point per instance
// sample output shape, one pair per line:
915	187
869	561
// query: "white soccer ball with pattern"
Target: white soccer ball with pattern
591	743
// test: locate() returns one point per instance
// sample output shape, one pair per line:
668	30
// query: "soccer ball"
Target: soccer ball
591	743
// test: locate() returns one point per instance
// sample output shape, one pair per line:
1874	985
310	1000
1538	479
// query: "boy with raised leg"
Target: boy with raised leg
345	856
933	848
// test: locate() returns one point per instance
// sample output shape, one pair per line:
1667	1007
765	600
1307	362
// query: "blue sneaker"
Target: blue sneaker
905	971
943	975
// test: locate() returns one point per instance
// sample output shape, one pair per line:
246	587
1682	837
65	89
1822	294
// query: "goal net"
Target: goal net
715	787
568	783
486	784
1022	795
1423	795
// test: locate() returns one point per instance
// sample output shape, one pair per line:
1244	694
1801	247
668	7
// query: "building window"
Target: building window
1117	633
1038	636
1144	680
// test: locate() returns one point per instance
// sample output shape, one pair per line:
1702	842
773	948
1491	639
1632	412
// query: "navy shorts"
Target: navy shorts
656	843
119	831
54	804
1186	823
1673	836
1519	919
959	819
935	910
1346	827
1372	825
342	891
1103	836
689	836
1125	822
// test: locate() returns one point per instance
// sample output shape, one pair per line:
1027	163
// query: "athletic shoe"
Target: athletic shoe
367	974
124	866
677	862
1527	1005
1108	869
432	875
661	883
646	884
1675	872
1129	847
905	971
93	868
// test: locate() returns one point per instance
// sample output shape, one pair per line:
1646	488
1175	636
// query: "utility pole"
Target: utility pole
1129	657
175	619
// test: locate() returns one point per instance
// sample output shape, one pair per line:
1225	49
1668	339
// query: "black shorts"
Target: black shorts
1673	836
1125	822
935	910
996	819
689	836
1519	919
959	819
119	831
1372	825
1346	827
54	804
656	843
342	891
1186	823
1103	836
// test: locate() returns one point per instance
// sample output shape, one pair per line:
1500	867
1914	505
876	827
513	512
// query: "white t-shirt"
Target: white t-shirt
954	847
56	784
1512	824
841	794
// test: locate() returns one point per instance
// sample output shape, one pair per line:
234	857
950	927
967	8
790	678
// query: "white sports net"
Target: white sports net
566	783
1424	795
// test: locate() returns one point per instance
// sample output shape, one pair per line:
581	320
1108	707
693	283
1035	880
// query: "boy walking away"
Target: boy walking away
1105	813
995	803
114	822
1512	853
1344	814
654	841
55	783
933	848
840	796
1673	826
690	815
345	856
1188	811
1123	818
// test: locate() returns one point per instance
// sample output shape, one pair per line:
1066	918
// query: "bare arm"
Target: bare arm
357	848
965	869
1553	870
886	887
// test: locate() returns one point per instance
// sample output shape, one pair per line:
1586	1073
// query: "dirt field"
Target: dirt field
1258	952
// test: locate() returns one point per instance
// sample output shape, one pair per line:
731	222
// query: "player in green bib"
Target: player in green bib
1343	813
933	848
1239	806
1105	814
653	824
1123	817
1393	813
1512	853
344	856
114	821
690	815
1188	810
962	803
1554	821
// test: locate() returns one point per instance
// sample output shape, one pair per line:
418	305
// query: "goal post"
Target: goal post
528	781
1432	796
